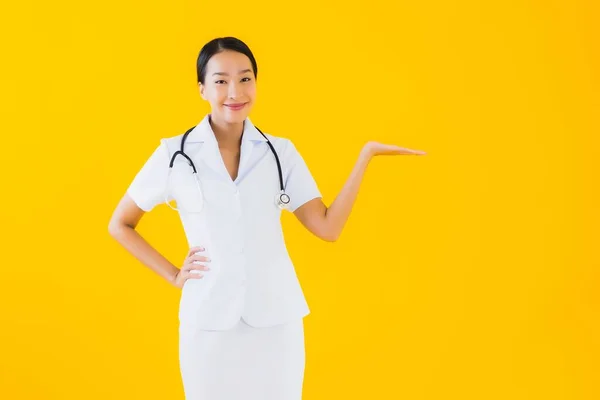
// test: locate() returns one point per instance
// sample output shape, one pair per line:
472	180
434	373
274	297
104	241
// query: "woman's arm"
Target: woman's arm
122	227
328	223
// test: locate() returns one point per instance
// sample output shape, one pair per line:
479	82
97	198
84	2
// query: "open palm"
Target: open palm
375	149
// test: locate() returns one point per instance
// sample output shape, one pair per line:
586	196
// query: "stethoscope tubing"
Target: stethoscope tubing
281	199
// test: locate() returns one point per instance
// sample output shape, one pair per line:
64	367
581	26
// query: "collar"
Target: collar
203	132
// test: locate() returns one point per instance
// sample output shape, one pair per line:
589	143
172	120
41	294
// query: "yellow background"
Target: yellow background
468	273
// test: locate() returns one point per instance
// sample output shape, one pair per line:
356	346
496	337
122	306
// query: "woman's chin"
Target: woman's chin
234	116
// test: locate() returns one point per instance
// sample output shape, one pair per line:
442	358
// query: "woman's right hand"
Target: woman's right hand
186	273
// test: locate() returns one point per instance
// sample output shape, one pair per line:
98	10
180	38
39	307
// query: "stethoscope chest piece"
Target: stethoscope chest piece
282	200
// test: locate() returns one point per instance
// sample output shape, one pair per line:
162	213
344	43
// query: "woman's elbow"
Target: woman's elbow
329	236
114	228
126	216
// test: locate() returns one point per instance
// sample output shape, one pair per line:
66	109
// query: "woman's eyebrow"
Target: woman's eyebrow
226	74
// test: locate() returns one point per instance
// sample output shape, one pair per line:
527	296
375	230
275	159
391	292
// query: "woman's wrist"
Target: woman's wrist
365	154
173	275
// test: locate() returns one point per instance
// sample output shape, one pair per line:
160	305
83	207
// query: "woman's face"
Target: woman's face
229	81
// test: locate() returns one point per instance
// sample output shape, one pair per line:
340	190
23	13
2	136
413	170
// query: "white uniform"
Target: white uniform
241	329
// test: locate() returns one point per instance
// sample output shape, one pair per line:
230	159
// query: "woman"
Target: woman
241	333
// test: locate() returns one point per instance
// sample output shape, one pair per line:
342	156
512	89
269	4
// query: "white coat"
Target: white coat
251	276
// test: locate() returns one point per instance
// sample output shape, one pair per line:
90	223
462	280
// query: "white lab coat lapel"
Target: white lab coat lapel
209	154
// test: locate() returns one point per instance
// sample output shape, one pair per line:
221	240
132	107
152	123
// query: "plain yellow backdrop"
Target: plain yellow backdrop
468	273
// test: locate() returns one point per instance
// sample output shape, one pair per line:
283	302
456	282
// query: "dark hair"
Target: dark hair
219	45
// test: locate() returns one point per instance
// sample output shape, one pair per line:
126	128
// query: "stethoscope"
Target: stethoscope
282	200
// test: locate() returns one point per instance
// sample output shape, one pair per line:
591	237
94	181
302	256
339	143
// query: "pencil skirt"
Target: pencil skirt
243	363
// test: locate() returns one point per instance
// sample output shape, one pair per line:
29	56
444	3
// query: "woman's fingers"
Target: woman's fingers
193	250
195	271
417	152
191	267
377	148
392	149
191	253
199	258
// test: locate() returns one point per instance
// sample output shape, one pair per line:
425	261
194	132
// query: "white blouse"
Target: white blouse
251	275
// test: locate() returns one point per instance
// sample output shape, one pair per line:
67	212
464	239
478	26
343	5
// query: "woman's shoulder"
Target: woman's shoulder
173	143
277	140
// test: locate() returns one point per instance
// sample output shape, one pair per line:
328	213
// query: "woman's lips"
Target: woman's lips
235	107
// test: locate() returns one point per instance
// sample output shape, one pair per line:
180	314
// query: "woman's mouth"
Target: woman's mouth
236	106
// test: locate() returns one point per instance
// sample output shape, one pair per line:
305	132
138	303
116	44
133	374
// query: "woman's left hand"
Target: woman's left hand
372	148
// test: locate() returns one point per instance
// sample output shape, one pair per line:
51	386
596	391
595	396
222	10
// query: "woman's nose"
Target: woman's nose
234	90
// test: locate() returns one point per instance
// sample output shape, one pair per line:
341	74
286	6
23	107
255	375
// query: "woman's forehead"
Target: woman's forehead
230	62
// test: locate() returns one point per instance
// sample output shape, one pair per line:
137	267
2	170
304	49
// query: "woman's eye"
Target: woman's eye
221	80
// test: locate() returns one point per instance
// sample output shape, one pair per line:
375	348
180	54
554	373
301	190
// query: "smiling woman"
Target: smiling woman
227	73
241	312
241	331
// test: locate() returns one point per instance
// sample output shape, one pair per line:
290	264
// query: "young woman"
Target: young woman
241	333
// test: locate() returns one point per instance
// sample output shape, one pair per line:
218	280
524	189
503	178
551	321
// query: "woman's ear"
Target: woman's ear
201	87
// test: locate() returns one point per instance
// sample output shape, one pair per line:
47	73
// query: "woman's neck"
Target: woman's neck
228	135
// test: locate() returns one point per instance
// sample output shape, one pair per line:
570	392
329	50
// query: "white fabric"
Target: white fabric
251	275
241	331
243	363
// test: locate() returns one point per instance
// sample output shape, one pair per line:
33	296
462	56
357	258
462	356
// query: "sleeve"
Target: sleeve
149	185
299	182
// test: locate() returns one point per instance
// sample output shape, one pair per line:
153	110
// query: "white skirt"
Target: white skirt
243	363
